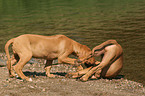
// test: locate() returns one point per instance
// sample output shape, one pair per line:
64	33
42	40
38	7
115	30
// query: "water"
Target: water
89	22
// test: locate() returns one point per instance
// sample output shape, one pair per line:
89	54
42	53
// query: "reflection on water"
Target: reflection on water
89	22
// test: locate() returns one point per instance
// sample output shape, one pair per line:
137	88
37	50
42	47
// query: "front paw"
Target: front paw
93	77
83	79
71	75
68	75
51	75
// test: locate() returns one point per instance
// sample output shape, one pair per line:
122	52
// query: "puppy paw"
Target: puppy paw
71	75
93	77
51	75
68	75
83	79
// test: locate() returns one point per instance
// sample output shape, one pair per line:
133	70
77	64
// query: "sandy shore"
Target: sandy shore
61	86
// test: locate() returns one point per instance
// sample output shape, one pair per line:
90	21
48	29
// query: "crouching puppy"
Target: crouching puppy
111	64
47	47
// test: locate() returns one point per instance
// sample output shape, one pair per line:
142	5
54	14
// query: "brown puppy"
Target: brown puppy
48	47
111	64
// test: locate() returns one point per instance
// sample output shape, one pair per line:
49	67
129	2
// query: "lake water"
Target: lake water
89	22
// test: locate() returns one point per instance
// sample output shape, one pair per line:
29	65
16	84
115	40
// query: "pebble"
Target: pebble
6	85
31	86
43	89
7	95
63	80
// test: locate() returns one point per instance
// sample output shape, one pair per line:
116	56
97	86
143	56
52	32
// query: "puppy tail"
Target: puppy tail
8	54
104	44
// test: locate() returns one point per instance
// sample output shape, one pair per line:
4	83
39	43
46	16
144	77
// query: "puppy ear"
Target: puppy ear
97	50
94	50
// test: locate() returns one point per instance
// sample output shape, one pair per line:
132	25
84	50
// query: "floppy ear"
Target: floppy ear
94	50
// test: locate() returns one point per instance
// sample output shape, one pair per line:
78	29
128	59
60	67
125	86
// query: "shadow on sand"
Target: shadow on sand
62	74
33	74
2	65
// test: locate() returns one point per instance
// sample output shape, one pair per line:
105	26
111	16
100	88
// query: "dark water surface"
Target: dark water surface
89	22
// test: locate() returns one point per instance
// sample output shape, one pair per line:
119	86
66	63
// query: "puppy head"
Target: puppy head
89	61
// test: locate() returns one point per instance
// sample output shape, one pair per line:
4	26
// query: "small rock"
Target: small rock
43	89
31	86
6	85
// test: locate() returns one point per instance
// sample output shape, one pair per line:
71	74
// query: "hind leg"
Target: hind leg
14	59
23	60
48	66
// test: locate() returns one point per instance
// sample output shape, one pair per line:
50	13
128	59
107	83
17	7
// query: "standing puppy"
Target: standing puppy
47	47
